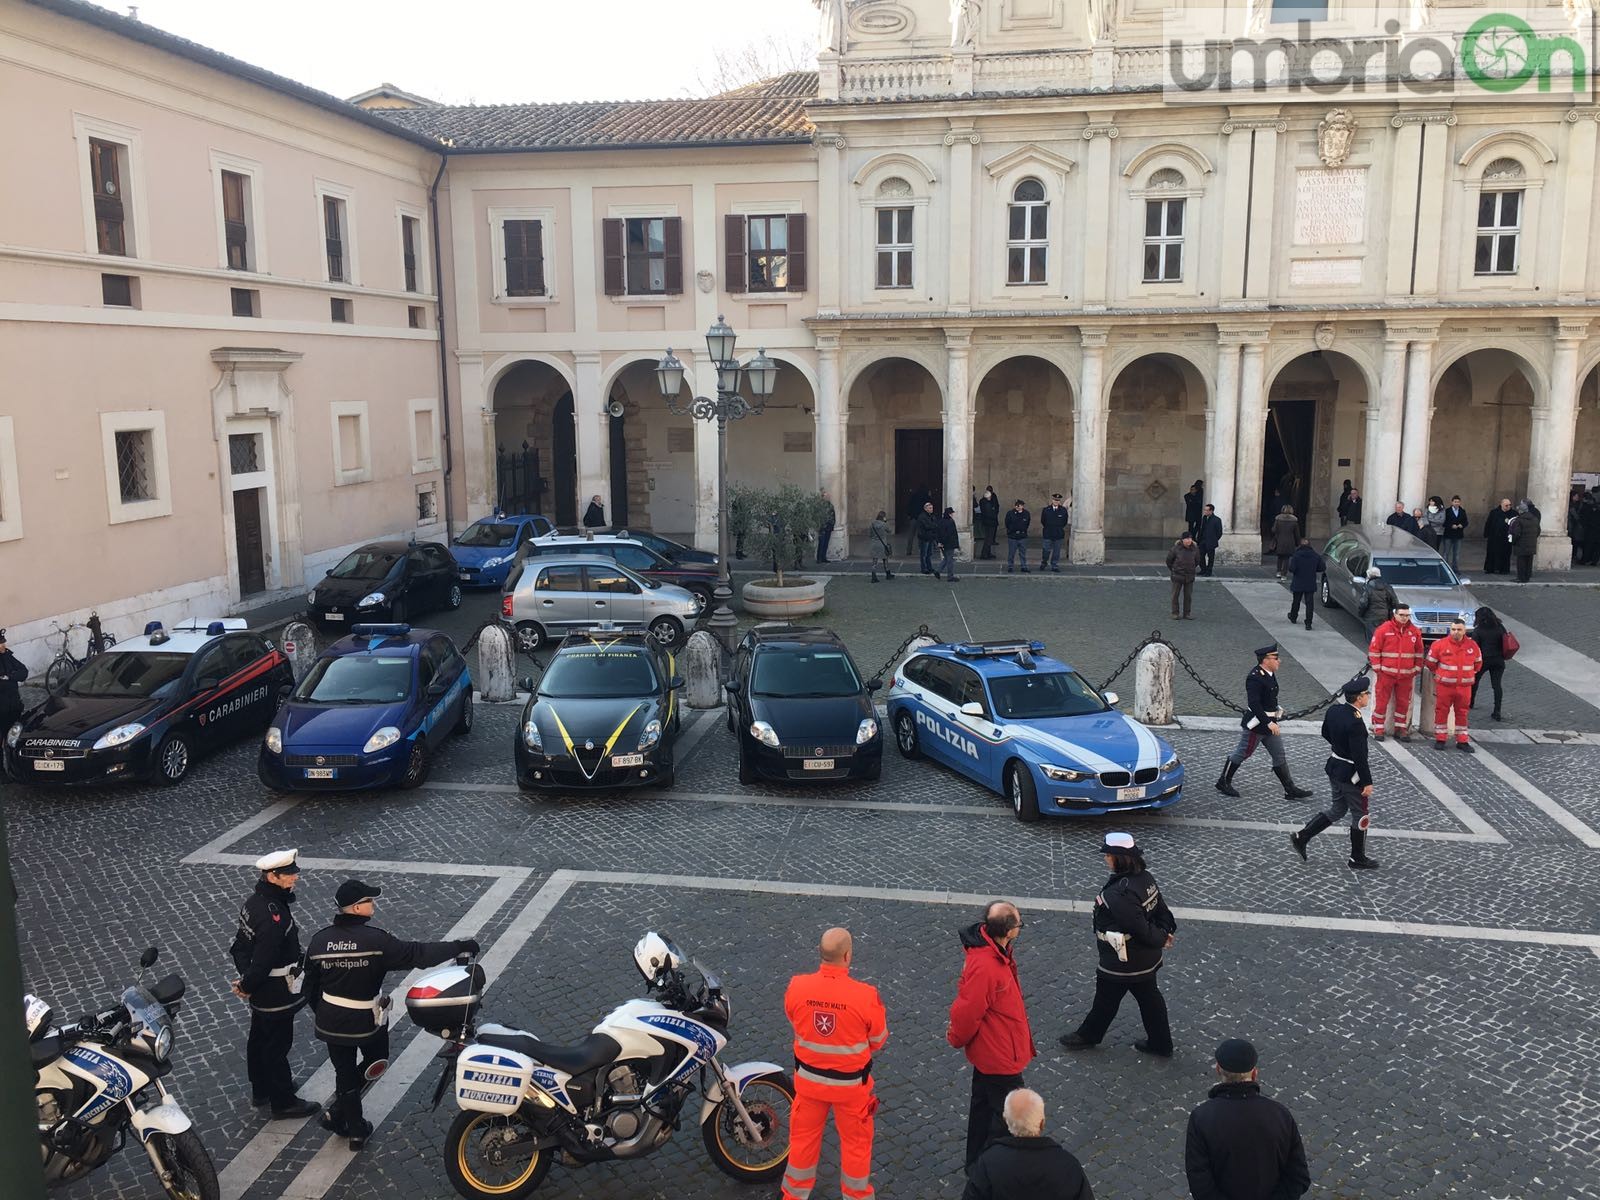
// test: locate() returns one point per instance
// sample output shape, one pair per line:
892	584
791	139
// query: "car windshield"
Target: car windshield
793	674
487	533
599	674
357	679
364	564
126	674
1417	572
1043	694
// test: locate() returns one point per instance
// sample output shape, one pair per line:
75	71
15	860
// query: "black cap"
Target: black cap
1263	651
353	891
1236	1056
1356	686
1055	495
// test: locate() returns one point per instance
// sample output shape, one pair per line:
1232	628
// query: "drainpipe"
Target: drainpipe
445	438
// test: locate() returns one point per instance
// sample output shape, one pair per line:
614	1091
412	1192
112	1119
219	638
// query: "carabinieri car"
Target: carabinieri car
605	714
1031	728
369	713
151	705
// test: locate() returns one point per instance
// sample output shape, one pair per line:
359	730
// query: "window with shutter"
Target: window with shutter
734	277
410	235
105	168
235	219
524	243
613	261
333	222
768	251
797	252
653	256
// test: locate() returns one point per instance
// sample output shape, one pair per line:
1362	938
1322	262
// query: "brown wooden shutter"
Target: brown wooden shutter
672	230
797	252
735	272
534	249
611	254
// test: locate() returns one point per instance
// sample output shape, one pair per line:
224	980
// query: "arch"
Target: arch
985	358
1480	438
1036	193
1165	150
1528	142
791	359
1462	348
1302	443
1587	367
615	370
1124	357
929	358
507	363
1356	354
1022	408
1155	408
894	431
895	162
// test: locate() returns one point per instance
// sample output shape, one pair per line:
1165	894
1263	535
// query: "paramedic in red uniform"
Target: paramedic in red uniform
1396	656
1455	662
839	1024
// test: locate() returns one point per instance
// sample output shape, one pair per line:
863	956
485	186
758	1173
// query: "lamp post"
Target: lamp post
729	405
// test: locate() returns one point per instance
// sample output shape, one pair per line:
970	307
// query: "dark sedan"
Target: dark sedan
387	582
676	551
800	708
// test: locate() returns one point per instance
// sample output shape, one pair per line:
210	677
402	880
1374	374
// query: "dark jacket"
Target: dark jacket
266	949
1210	535
1017	523
1525	534
1285	533
1183	561
1455	524
1494	525
1053	521
348	960
1491	640
1343	507
1346	735
594	517
989	510
1243	1146
1261	698
988	1018
918	498
947	535
831	517
1131	903
1378	600
1305	564
1403	521
1352	510
1193	505
12	673
1026	1168
927	526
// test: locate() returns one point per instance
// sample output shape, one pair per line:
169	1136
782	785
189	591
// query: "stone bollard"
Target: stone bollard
917	644
1152	685
701	667
299	642
1423	698
496	677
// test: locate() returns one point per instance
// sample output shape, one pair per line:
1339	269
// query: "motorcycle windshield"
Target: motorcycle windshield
147	1012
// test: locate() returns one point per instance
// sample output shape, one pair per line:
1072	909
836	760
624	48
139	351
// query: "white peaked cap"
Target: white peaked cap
277	860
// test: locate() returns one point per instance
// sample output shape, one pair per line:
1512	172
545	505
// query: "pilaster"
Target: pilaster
829	417
958	429
1088	544
1242	542
1097	198
830	216
591	425
1550	454
1577	203
1381	487
961	140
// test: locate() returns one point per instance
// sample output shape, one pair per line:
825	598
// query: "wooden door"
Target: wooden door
247	533
918	467
564	465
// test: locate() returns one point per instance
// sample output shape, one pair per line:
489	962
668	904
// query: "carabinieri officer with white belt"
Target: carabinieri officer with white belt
345	966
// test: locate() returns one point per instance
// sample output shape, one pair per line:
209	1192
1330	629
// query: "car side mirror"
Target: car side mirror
1463	580
675	683
972	709
526	683
148	958
733	685
284	689
436	688
874	684
1111	699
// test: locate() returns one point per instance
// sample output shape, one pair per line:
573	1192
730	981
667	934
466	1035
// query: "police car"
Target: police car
1031	728
370	713
151	705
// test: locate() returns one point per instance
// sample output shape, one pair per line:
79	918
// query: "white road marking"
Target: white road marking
962	613
1436	787
1558	662
207	853
1539	800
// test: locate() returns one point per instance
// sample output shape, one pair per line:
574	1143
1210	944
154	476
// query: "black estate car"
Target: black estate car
387	583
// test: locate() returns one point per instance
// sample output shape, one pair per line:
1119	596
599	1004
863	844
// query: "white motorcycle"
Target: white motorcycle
101	1077
617	1094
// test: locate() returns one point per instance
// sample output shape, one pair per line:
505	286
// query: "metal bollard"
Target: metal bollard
701	666
1152	685
496	677
299	643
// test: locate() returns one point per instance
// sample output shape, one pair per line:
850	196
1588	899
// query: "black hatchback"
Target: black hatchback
385	582
800	708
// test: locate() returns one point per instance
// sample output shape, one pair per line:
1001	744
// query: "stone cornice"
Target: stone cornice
1236	125
1434	117
250	358
1572	329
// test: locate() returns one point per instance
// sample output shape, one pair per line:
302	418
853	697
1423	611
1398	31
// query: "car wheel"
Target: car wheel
464	721
905	735
1022	793
173	758
530	636
667	631
417	765
702	599
454	601
747	772
1327	594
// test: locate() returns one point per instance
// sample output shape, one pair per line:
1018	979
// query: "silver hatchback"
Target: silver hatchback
1417	572
548	595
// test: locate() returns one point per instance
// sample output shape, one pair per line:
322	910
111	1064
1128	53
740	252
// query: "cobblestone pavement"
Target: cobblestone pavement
1431	1023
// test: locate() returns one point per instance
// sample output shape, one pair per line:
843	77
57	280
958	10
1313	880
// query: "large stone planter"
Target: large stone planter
799	597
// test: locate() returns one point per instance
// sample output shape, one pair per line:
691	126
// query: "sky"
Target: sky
488	51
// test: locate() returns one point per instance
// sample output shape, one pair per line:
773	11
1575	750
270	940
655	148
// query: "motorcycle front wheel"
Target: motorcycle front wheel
482	1161
193	1174
770	1101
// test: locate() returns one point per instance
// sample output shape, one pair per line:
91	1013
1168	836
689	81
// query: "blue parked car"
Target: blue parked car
486	550
369	713
1030	728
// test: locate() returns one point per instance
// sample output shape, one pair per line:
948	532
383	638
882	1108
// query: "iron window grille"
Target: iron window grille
134	471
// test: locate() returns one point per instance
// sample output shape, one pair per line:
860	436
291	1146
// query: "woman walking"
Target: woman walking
1433	522
1132	927
878	542
1285	537
1490	635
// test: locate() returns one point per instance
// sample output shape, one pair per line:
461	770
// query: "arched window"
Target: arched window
1163	227
1500	207
894	234
1027	233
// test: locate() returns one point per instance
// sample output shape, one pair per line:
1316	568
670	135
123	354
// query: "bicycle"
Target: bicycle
65	663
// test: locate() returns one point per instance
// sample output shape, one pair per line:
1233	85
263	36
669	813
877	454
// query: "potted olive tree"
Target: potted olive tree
780	523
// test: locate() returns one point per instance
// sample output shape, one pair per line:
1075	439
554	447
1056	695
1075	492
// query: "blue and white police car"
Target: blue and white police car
1031	728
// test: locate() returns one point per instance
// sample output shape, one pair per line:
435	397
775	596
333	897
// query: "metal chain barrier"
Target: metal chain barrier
922	632
516	647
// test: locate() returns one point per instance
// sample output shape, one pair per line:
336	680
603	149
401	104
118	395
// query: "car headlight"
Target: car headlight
1064	774
650	735
275	739
119	736
530	736
161	1044
866	731
764	733
13	734
370	599
493	562
384	738
311	596
1171	765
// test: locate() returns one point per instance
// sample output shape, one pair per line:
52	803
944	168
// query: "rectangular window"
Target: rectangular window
246	302
352	448
894	248
767	248
135	465
524	242
1286	12
10	488
1163	240
410	237
244	453
334	231
646	253
107	161
236	219
341	311
1499	232
119	291
416	316
1027	237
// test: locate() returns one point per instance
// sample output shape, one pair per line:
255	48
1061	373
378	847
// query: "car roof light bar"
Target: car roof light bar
997	649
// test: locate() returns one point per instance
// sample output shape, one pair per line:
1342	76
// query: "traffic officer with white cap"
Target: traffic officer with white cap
345	966
266	951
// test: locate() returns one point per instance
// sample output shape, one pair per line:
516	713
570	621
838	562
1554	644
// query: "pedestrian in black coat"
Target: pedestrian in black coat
1241	1145
1026	1165
1193	501
594	517
927	530
1352	507
12	673
1017	522
1209	537
988	520
949	541
920	498
1343	507
1490	635
1497	550
1401	519
1305	564
1589	520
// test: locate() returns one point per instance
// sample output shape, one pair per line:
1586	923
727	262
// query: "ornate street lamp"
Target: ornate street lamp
729	405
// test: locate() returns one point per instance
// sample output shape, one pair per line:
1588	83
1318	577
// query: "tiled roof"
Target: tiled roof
800	84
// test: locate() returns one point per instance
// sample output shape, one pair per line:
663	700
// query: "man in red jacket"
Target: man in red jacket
990	1022
1396	657
1455	662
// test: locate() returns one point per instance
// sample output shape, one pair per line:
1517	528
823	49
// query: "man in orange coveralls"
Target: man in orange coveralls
1455	662
839	1023
1396	657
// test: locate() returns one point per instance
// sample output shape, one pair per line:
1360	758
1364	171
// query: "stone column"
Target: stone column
1088	543
829	415
1381	486
592	426
830	216
1222	419
961	142
958	430
1097	238
1417	424
1550	455
1577	209
476	434
1241	543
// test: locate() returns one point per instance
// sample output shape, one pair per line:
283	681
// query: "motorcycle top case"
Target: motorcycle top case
445	1000
492	1080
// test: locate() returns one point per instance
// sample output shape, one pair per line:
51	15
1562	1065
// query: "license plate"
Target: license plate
818	764
1130	793
333	616
627	760
320	773
49	764
464	576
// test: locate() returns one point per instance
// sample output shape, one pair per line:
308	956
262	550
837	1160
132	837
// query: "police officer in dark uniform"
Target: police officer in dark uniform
345	966
266	951
12	673
1349	772
1260	726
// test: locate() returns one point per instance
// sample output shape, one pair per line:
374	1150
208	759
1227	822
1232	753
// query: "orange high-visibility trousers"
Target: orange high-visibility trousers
853	1108
1399	686
1449	697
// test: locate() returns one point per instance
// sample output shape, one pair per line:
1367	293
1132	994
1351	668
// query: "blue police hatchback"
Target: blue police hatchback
369	713
1031	728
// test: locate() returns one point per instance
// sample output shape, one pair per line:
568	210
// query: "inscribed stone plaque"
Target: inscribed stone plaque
1325	272
1330	207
